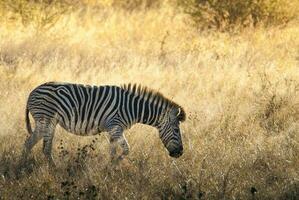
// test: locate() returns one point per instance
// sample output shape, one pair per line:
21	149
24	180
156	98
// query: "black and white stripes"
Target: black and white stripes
87	110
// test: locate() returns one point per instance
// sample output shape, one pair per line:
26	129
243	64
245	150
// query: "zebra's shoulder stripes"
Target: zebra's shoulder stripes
151	94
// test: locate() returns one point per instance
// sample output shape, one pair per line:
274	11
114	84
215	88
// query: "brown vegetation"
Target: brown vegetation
240	92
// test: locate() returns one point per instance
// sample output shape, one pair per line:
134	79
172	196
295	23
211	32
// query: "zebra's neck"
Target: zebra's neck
141	108
150	111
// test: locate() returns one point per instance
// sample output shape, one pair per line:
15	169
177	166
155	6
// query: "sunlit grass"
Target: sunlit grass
240	92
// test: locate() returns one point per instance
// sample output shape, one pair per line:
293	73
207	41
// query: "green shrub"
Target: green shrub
228	14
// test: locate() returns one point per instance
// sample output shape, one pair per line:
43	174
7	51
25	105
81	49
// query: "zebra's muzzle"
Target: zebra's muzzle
177	152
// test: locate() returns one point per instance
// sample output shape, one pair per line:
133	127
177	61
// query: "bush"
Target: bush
40	13
228	14
135	4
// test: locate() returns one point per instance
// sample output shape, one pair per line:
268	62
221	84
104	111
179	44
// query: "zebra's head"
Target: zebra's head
169	130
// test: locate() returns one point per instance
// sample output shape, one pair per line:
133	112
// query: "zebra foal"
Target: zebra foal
90	110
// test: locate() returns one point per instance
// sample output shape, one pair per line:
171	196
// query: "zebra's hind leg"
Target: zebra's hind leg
48	135
32	140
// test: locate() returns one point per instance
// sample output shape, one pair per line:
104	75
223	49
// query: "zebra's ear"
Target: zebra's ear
181	114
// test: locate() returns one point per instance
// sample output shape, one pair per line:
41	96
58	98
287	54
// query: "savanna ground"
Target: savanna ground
239	87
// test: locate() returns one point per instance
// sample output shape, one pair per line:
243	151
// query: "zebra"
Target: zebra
89	110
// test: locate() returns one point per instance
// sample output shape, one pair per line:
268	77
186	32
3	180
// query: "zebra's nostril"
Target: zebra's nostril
179	149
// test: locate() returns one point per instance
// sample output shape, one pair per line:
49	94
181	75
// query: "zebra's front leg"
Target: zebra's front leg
125	147
117	138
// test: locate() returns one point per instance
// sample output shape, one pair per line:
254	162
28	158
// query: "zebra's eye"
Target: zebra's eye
175	122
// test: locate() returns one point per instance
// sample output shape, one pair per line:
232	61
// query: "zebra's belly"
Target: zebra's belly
81	128
89	125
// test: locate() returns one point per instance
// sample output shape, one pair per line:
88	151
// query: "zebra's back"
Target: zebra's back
80	109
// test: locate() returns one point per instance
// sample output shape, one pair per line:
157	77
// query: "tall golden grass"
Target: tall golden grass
240	92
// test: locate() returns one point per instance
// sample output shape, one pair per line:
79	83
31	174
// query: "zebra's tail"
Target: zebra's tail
28	125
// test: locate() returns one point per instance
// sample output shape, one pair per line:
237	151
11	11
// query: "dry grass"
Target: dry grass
241	94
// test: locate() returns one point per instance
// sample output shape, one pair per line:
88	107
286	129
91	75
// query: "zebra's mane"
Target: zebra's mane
148	93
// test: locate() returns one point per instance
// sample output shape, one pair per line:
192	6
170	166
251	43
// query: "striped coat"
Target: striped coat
89	110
